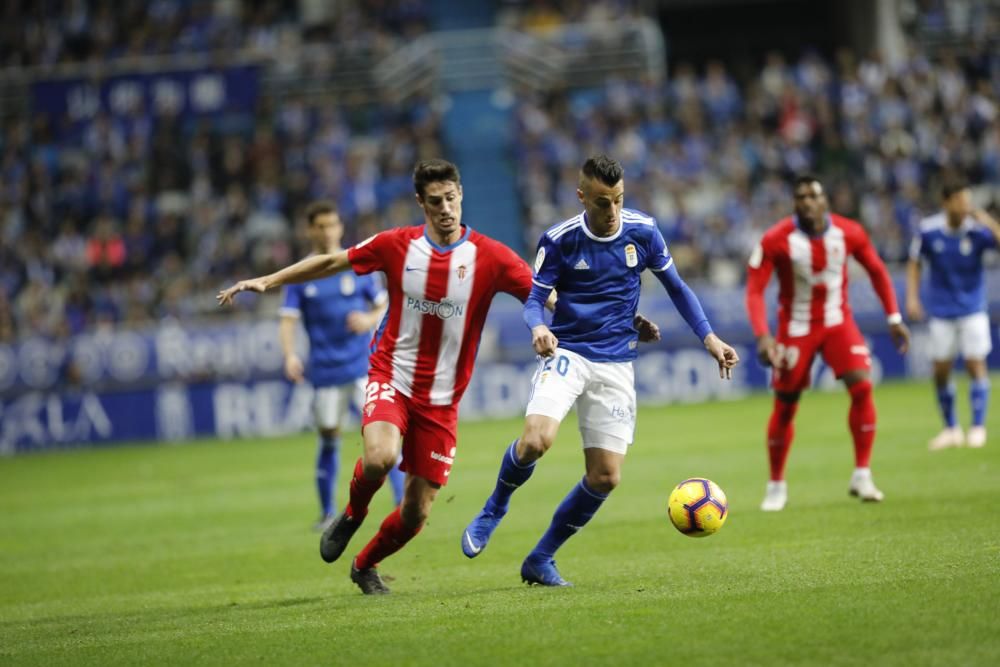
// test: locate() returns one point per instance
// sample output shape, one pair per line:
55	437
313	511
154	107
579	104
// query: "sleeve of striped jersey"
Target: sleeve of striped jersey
546	263
371	254
658	258
759	270
514	274
879	275
291	299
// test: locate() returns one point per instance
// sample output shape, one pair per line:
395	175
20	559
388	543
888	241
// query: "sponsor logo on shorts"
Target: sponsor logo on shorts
369	409
859	349
622	415
442	458
445	309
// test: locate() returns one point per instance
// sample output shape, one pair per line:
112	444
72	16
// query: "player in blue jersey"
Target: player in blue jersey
952	244
594	261
338	313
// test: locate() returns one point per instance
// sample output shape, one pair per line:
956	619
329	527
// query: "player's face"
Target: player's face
442	206
959	204
810	204
603	204
325	232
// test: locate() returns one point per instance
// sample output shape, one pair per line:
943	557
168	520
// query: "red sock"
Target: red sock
389	539
861	419
780	431
362	490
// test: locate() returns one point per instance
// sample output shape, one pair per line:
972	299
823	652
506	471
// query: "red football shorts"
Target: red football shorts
429	431
843	348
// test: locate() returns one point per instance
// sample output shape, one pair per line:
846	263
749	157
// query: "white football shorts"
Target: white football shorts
331	404
968	336
603	391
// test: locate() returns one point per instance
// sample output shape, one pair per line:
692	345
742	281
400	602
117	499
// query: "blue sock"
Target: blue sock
397	478
946	401
573	513
512	475
979	398
327	463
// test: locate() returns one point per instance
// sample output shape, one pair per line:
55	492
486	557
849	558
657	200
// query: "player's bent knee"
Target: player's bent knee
604	481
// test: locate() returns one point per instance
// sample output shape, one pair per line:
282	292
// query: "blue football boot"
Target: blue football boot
541	571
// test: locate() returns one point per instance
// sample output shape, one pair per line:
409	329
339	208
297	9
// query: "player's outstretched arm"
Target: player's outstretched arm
723	353
689	307
310	268
989	222
294	368
882	284
759	270
914	308
542	339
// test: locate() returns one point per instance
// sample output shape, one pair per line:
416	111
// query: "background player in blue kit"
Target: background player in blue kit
952	243
338	314
594	261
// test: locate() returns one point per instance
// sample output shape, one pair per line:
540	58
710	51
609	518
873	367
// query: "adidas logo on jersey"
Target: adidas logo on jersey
582	265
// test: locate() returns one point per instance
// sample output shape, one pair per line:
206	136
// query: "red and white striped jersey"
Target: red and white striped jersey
812	275
438	300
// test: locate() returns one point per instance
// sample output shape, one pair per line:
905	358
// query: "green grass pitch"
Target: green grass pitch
202	554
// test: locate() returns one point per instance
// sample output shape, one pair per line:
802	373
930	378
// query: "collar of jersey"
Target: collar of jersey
807	232
446	248
967	223
602	239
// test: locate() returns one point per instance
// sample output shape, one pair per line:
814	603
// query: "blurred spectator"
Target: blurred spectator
711	158
134	217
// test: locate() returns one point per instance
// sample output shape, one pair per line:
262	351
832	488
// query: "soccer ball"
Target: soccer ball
697	507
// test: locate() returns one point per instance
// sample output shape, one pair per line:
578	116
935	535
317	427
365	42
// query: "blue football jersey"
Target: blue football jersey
598	282
336	355
955	284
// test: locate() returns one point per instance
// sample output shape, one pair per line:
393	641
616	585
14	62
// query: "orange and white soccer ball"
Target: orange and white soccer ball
697	507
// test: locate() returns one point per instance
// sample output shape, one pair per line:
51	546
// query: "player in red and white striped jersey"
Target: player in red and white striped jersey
441	279
809	251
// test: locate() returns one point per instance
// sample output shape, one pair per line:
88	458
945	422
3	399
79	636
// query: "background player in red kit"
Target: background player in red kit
809	251
441	279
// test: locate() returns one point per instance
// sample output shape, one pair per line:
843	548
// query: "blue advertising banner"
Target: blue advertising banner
186	92
180	380
178	410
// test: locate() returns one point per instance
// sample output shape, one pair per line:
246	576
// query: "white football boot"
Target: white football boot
775	497
977	436
863	487
951	436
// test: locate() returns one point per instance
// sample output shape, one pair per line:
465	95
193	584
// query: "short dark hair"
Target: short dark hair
318	208
605	169
953	186
435	170
805	179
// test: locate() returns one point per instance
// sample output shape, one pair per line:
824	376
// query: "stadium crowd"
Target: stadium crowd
711	158
141	217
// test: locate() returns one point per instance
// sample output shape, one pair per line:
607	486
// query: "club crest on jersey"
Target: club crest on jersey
631	256
310	290
462	271
965	246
